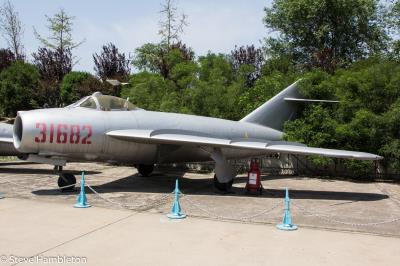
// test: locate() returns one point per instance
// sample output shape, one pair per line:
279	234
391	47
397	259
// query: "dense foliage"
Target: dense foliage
367	117
7	57
18	85
325	34
77	85
111	64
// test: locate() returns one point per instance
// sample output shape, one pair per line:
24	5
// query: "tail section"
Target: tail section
277	110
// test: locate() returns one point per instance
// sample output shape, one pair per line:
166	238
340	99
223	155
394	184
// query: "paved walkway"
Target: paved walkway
103	236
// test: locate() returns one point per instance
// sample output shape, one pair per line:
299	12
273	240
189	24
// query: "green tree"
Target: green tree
77	85
215	67
247	61
55	59
214	99
184	75
366	119
161	58
393	22
6	58
53	65
215	93
12	29
264	89
112	64
18	85
147	90
316	128
391	143
364	132
372	85
60	28
326	34
171	23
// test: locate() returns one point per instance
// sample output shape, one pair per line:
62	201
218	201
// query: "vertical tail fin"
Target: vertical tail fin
277	110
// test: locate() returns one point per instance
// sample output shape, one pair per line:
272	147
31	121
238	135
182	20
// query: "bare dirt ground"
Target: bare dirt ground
370	210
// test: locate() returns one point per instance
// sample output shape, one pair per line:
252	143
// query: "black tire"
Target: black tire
222	187
22	157
145	169
66	179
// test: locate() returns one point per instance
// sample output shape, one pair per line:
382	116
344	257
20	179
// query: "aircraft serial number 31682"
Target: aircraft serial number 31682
64	133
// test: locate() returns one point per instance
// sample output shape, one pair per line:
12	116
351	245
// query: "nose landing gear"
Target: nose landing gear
145	169
66	181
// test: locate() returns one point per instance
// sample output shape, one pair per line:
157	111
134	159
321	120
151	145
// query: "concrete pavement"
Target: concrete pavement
122	237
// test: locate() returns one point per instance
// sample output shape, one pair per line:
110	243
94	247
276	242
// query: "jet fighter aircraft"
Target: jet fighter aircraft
110	129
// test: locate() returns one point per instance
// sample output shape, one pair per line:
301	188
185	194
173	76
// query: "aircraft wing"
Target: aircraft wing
323	152
182	137
6	140
6	135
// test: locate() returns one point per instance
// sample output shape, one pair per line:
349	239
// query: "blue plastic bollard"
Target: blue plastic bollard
176	211
82	200
287	217
1	196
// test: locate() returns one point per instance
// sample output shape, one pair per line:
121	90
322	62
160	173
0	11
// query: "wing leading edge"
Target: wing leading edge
182	137
6	140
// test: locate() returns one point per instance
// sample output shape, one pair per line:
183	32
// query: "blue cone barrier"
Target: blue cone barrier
82	200
287	217
176	211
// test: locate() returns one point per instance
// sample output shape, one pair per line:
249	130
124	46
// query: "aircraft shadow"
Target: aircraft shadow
164	183
15	163
42	171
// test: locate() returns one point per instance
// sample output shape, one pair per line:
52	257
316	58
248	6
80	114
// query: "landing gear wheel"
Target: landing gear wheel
22	157
145	169
223	187
66	182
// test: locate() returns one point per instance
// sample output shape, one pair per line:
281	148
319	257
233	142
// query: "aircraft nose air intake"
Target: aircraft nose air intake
18	132
23	131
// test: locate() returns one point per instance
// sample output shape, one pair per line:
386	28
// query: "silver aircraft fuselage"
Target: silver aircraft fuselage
80	134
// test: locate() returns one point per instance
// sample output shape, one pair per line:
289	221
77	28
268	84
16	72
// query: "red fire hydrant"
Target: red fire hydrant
254	178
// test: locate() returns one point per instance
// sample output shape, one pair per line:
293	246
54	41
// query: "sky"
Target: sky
214	25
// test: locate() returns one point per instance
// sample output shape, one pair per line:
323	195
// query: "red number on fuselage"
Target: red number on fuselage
74	132
62	136
51	133
86	140
42	132
64	133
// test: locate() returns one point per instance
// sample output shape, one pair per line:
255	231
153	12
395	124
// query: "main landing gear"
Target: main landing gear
145	169
224	172
66	181
223	187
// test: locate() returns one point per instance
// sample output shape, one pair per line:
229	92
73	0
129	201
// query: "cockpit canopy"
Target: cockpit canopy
102	102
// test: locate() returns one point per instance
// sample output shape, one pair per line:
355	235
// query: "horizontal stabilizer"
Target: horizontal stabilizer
309	100
183	137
